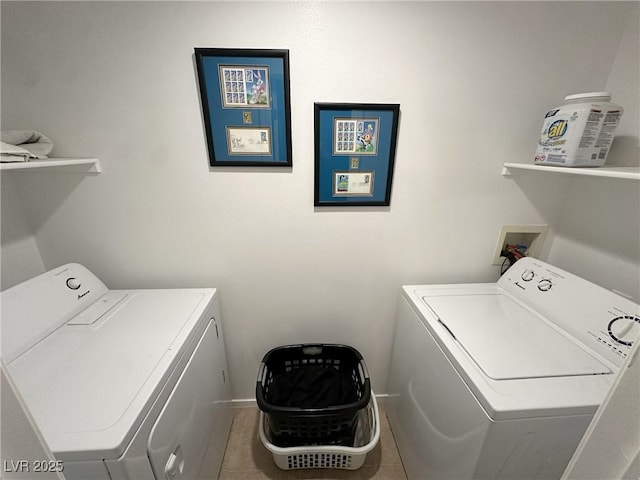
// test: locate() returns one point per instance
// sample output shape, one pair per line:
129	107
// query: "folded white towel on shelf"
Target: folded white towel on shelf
22	145
13	153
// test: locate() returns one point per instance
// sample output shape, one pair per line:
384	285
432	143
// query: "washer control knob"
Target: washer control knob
624	329
73	283
528	275
544	285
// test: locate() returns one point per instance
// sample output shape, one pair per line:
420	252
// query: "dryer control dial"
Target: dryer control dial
73	283
527	275
624	329
544	285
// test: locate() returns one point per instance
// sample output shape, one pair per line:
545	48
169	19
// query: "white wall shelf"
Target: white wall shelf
626	173
67	165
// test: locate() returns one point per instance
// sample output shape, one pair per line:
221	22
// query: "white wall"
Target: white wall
117	81
597	235
19	256
623	83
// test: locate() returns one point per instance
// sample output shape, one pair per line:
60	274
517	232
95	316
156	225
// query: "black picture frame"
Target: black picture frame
355	148
246	106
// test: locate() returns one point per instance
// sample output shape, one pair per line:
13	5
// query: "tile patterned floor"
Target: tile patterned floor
247	459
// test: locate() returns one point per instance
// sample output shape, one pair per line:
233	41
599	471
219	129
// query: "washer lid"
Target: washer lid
508	341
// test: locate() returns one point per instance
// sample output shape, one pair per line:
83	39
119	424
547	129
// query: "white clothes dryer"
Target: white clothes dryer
501	380
123	384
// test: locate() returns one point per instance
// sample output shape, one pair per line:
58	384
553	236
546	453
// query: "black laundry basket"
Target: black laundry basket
295	424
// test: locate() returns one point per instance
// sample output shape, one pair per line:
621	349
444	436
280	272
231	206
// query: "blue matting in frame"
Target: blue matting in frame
343	148
247	117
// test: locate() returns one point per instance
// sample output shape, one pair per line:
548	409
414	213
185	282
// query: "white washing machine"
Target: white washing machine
501	380
123	384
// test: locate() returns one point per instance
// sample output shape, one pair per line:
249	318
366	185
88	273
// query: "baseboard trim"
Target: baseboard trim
243	402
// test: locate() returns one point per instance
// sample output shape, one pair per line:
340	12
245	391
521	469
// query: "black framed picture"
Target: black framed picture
246	106
355	147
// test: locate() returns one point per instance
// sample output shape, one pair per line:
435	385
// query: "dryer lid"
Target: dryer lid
508	341
90	386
